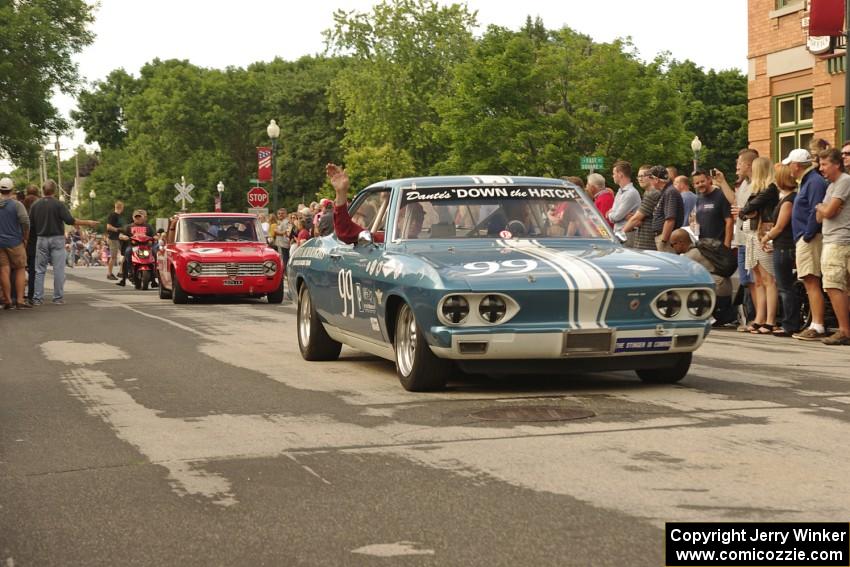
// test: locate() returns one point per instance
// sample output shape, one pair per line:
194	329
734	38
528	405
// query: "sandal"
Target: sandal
764	330
780	332
752	328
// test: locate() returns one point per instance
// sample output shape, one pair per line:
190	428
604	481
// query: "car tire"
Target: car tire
145	278
163	293
276	296
418	369
669	375
178	296
313	341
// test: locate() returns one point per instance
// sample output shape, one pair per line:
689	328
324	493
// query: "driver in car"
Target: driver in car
346	229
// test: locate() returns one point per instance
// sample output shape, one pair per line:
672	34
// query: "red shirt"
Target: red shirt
347	230
604	201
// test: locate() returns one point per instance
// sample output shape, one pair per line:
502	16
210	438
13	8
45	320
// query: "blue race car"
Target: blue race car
496	275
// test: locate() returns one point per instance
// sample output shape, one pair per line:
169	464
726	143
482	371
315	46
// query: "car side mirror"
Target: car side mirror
365	238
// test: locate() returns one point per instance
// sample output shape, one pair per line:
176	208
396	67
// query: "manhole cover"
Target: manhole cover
533	413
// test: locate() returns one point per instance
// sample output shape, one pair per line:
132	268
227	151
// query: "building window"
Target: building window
792	122
783	3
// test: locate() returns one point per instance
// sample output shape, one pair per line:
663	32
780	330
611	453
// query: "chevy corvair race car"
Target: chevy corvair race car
496	275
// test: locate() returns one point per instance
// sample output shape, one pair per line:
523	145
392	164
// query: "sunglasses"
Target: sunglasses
845	153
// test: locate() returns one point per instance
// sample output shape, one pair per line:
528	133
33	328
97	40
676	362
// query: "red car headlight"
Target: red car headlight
269	268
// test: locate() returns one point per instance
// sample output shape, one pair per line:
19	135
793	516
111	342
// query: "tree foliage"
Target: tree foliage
36	44
400	60
405	89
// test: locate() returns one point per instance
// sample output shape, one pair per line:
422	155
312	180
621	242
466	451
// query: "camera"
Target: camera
713	172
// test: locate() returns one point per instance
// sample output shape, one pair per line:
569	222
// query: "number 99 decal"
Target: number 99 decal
345	282
513	266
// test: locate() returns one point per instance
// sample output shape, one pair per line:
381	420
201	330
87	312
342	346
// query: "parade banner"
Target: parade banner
826	17
264	164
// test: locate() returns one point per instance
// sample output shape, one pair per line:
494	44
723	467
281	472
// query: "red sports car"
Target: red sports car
218	254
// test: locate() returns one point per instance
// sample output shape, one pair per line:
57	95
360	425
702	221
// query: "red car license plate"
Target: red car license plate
233	282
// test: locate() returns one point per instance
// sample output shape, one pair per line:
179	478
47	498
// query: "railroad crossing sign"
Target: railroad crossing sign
183	193
258	197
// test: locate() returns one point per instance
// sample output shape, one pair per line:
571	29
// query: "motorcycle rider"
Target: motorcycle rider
125	235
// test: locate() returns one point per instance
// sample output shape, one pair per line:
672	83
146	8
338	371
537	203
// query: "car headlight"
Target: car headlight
194	268
699	302
669	304
492	308
455	308
269	267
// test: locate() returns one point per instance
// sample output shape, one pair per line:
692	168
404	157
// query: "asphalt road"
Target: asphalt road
137	432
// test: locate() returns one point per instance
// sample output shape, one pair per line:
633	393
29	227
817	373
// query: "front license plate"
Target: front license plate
233	282
643	344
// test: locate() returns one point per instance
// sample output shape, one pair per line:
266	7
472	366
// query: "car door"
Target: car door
163	255
355	267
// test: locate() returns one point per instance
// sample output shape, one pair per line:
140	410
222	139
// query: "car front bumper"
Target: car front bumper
459	344
216	285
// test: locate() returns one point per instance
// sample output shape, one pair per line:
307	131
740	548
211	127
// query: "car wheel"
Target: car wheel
277	295
418	369
146	279
178	296
313	340
163	293
667	375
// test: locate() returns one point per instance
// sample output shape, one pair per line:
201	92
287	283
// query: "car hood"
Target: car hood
226	251
553	264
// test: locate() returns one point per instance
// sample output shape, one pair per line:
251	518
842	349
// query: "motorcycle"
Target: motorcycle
142	260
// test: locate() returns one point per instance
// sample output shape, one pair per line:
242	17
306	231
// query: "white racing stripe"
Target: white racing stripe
590	288
607	282
572	292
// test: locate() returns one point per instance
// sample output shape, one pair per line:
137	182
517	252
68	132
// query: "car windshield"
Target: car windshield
497	212
219	229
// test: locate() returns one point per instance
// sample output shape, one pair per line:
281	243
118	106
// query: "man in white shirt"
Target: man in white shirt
626	201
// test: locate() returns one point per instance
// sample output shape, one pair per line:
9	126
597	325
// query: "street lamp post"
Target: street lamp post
273	130
92	195
220	189
696	146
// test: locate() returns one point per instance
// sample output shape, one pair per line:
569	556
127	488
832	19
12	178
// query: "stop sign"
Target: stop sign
258	197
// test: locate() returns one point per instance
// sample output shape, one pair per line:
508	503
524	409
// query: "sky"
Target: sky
222	33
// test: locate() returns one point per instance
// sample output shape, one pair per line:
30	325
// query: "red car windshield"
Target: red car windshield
219	229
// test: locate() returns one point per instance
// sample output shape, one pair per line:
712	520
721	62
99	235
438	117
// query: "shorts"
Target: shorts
835	262
809	256
16	257
114	248
745	277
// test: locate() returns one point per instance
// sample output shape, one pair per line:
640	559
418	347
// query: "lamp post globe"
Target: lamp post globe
696	146
92	195
273	130
220	188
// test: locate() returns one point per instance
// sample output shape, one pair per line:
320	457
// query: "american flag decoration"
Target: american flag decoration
264	164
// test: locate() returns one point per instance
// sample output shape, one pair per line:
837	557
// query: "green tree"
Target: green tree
715	109
38	39
401	56
100	111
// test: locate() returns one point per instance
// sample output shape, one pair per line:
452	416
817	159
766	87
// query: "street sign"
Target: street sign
183	191
259	211
592	162
258	197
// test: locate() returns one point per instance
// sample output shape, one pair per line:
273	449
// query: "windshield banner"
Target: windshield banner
489	193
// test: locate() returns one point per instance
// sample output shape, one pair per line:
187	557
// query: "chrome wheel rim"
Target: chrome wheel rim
304	318
405	340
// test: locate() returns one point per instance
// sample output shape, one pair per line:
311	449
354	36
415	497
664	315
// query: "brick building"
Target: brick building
796	82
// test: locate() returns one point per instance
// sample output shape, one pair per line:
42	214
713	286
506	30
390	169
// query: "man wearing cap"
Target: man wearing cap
669	213
14	233
806	231
282	229
138	226
48	217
